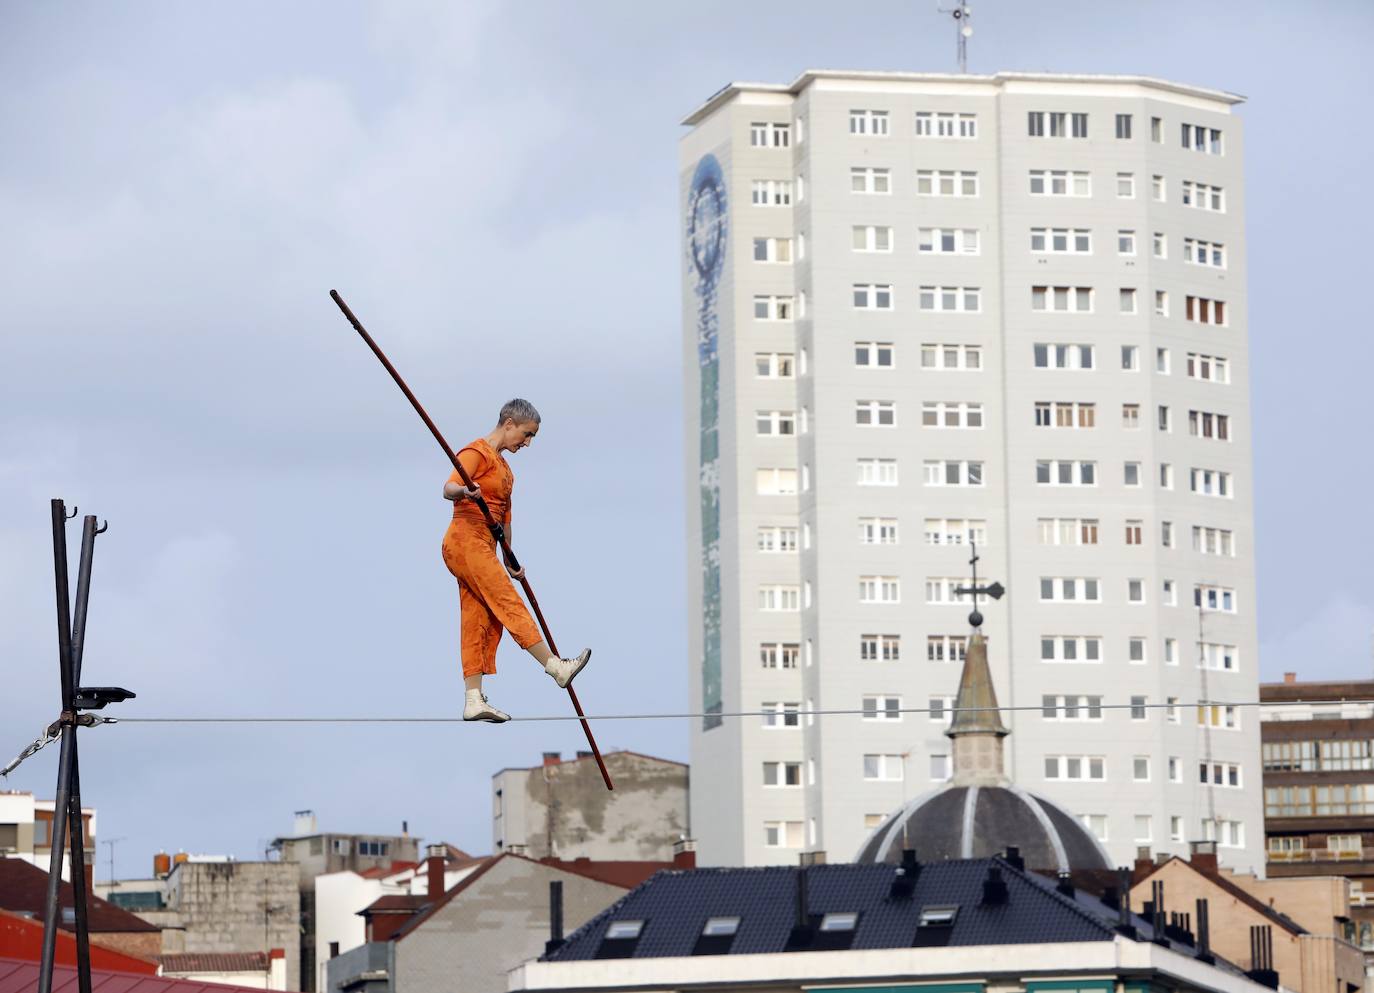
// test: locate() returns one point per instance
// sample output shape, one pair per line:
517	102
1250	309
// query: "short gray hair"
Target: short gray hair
519	411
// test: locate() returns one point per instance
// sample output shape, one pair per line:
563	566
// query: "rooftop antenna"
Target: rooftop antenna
963	25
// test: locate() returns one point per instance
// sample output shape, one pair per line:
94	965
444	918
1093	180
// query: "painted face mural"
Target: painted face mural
707	220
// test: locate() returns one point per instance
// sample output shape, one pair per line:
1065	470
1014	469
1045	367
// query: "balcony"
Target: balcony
1323	855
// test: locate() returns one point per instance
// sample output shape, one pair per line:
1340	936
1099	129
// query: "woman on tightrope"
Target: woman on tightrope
487	601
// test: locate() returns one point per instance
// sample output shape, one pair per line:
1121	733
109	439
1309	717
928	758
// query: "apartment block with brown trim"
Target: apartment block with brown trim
1318	752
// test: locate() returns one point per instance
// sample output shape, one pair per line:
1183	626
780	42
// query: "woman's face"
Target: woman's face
516	436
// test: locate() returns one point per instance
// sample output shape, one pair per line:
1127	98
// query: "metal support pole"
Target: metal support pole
77	825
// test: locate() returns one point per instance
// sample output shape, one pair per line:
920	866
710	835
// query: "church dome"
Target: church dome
970	822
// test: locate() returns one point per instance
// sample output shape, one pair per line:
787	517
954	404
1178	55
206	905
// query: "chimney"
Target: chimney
1204	935
1204	856
583	754
276	969
1262	956
1013	858
1290	677
685	853
803	922
1123	907
904	881
1143	862
552	758
994	887
405	829
1064	884
89	873
812	858
555	917
304	824
436	859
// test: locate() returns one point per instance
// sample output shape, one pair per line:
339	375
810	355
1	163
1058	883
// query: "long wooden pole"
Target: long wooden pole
492	523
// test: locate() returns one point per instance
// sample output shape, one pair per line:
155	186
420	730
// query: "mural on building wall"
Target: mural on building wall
706	240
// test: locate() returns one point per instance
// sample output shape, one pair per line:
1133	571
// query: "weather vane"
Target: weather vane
995	590
963	23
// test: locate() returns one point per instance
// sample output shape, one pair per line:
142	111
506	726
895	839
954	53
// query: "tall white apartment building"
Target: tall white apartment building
926	309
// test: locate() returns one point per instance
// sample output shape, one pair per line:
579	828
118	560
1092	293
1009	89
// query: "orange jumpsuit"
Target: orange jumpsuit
487	601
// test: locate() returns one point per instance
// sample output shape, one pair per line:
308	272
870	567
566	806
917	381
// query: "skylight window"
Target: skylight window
623	930
720	926
839	922
938	916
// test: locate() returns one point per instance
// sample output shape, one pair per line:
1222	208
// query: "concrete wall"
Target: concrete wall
240	907
565	810
370	960
499	921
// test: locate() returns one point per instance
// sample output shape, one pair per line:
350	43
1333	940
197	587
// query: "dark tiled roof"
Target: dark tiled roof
22	977
675	904
214	962
24	890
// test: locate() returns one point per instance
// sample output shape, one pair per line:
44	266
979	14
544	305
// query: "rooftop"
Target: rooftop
22	977
24	890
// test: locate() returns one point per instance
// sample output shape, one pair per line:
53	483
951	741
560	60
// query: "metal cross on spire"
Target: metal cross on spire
994	590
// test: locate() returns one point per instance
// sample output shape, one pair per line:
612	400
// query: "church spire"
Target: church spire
977	729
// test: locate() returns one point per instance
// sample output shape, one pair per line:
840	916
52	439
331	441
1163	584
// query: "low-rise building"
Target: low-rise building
24	891
26	831
254	970
563	810
1306	919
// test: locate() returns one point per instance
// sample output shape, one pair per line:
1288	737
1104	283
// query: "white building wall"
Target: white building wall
730	802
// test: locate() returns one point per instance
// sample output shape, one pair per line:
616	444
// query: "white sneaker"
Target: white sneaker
563	670
476	708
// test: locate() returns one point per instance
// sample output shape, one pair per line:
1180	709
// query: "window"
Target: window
1133	532
872	296
1140	769
1224	774
1131	474
1138	708
1125	242
1065	414
339	846
1166	476
1071	708
870	180
1060	183
1200	196
1143	829
880	589
1130	416
877	530
780	715
1069	589
779	598
1135	591
883	767
1158	191
776	482
1076	768
772	192
946	183
775	423
772	308
782	774
779	834
1055	356
773	250
874	354
1210	482
623	930
773	539
769	134
868	122
1214	541
948	125
1219	715
1125	185
1062	241
1123	126
1162	414
872	238
951	414
1205	424
1160	245
1171	651
941	709
955	531
1062	299
948	241
946	647
1168	596
940	770
880	647
963	299
1226	833
1201	310
720	927
1337	799
1221	598
1208	253
374	849
1070	648
875	413
774	365
1157	130
1062	472
1126	300
1208	368
941	590
875	472
1201	139
952	357
952	472
1130	358
1056	124
1068	530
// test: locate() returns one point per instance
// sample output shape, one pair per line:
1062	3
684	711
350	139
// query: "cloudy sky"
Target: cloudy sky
493	187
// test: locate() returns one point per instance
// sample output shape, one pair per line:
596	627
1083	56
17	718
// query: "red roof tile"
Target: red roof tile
22	977
214	962
24	889
618	873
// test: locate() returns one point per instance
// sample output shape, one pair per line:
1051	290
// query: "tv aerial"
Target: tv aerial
963	24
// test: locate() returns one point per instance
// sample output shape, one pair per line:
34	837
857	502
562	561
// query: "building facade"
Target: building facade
26	831
563	810
1318	753
923	310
